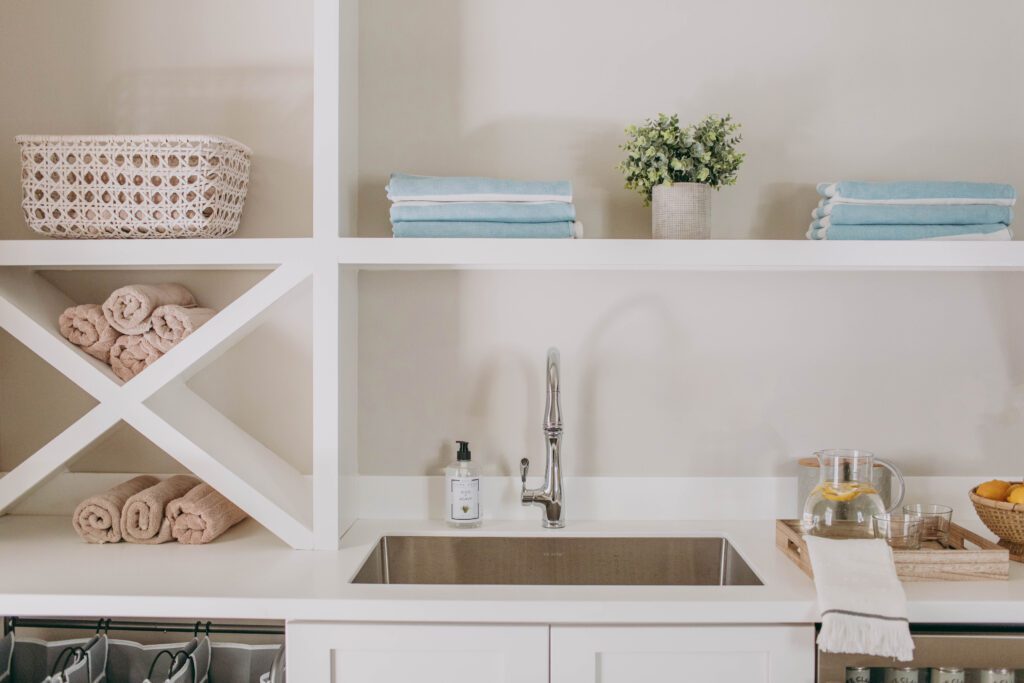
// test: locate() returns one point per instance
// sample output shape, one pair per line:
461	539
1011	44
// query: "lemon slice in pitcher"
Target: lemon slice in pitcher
845	493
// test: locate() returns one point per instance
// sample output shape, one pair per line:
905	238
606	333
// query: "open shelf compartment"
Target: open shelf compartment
159	404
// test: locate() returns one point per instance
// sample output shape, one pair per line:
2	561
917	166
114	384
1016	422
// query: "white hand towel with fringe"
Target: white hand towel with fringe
861	600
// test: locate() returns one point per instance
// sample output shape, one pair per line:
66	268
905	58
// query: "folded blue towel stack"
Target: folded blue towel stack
913	211
426	206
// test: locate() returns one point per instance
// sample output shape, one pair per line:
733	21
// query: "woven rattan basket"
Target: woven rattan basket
1005	520
133	186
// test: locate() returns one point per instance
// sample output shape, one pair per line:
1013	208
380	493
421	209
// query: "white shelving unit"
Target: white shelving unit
312	512
301	510
754	255
158	404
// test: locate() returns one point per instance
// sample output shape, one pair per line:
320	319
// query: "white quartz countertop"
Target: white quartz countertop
249	574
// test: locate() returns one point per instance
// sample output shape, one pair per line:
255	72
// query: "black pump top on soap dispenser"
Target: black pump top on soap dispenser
464	453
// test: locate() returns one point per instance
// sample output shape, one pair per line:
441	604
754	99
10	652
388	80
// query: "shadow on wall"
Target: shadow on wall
1003	430
396	345
774	138
267	108
597	355
660	381
508	363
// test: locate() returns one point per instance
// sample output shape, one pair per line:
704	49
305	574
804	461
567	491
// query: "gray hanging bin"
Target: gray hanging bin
199	660
276	673
235	663
188	663
6	657
82	660
207	662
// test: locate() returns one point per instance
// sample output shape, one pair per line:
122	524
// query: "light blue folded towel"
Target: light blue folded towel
403	187
488	212
902	232
559	230
918	193
912	214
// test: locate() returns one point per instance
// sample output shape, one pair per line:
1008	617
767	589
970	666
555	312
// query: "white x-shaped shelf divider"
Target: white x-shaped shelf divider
158	403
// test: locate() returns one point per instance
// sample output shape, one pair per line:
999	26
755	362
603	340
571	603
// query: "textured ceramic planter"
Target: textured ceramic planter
680	211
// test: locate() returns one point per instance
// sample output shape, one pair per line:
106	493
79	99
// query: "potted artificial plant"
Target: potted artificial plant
675	168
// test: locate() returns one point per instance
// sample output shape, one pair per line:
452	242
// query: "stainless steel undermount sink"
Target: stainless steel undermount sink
556	561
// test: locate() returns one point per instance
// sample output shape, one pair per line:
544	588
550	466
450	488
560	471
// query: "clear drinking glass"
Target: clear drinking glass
901	532
935	521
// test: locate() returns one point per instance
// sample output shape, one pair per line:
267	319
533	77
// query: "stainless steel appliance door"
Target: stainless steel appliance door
941	645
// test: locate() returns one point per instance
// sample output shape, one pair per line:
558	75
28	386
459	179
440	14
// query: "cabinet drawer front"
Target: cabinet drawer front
757	654
387	653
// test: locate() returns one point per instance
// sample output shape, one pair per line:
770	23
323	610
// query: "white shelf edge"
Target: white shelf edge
210	341
224	253
29	311
228	458
756	255
45	463
274	493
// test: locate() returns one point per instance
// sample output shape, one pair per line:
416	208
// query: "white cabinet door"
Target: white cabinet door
664	654
323	652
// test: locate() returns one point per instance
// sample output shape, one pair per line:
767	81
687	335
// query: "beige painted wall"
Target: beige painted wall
241	68
826	90
692	374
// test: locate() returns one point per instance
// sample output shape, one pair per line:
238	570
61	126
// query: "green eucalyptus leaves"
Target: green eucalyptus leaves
660	151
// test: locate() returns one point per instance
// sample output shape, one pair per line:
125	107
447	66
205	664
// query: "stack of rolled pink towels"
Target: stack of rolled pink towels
149	511
135	326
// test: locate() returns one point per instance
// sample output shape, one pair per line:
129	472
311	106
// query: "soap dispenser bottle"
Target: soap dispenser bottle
462	491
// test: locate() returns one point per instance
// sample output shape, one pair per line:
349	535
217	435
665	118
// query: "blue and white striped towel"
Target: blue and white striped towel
918	192
484	212
995	231
403	188
828	213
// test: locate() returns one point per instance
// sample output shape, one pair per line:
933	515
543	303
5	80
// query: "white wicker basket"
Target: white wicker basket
133	186
681	211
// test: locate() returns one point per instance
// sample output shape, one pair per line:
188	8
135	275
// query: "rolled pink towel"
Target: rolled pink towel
86	327
97	519
130	309
202	515
172	323
143	519
131	354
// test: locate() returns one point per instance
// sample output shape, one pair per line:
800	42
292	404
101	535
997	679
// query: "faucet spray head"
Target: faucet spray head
553	401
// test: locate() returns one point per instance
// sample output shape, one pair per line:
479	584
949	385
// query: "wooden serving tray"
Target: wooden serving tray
986	561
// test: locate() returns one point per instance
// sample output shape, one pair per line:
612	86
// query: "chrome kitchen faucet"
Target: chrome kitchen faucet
550	495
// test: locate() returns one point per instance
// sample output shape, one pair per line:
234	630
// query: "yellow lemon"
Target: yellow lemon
1016	495
845	493
993	490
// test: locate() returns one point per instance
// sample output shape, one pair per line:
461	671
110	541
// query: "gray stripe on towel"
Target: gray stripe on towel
863	614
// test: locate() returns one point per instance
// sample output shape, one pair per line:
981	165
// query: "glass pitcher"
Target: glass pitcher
845	501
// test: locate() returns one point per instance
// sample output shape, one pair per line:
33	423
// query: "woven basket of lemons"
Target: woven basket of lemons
1000	505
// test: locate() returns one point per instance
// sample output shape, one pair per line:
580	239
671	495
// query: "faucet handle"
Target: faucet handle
524	467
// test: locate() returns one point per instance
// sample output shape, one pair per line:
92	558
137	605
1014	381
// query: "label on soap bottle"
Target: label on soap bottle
464	499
